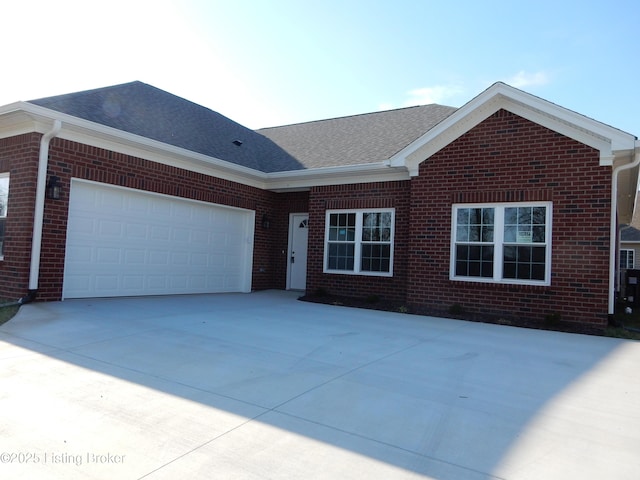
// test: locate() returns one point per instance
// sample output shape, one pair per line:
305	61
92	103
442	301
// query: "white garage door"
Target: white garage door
123	242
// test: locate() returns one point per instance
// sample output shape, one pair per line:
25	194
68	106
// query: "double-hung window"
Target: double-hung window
502	243
359	242
4	199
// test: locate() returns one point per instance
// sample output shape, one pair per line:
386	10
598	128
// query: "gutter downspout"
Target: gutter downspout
38	217
614	226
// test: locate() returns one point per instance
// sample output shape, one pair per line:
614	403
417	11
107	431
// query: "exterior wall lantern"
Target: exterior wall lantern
54	189
266	222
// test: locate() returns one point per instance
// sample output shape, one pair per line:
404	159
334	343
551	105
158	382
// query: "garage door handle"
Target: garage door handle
293	258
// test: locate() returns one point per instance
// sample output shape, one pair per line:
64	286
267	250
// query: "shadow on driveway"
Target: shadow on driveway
263	386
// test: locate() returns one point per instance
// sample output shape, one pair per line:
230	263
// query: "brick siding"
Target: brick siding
67	159
507	158
504	159
19	157
367	195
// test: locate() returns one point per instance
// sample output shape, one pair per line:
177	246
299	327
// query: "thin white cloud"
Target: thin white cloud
435	94
524	79
441	94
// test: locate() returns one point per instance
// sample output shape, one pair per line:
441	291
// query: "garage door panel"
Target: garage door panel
110	228
158	258
146	244
181	235
108	256
136	230
160	233
135	256
133	282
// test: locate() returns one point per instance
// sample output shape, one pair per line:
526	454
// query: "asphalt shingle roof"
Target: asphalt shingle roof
358	139
629	234
147	111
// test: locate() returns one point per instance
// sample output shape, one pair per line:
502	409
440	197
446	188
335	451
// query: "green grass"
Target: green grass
7	313
625	321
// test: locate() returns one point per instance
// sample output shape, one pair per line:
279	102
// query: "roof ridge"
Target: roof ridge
90	91
356	115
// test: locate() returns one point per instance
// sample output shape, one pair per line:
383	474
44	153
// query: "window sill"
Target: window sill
358	274
492	281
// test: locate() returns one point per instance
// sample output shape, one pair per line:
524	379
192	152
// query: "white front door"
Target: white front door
298	237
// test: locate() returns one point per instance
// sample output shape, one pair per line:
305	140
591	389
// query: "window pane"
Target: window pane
524	262
342	227
510	216
487	269
376	227
487	216
539	215
525	225
475	225
509	270
2	221
524	215
538	255
475	252
4	195
340	256
510	233
538	234
4	200
474	261
474	233
509	254
375	258
487	233
475	216
537	272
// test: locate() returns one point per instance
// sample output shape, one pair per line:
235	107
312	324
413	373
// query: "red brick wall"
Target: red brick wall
507	158
367	195
69	159
19	157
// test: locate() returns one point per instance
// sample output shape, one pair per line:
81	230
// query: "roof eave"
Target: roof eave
350	174
23	117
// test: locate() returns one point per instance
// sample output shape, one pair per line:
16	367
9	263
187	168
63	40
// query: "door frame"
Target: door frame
290	245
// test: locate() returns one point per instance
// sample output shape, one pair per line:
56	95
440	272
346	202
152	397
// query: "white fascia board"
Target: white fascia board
166	154
365	173
606	139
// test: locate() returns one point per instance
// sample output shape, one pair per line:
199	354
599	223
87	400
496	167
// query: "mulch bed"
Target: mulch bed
375	303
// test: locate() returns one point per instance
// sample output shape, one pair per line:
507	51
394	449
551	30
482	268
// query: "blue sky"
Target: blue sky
266	63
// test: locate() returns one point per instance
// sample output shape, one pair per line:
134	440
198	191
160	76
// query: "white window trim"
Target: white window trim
498	243
4	175
358	242
633	257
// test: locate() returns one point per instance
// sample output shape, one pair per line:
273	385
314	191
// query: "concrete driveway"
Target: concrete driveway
259	386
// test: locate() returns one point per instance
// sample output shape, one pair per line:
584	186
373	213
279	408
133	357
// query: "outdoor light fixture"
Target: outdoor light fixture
54	189
266	223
